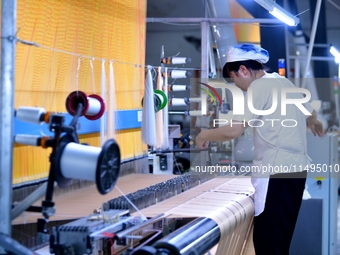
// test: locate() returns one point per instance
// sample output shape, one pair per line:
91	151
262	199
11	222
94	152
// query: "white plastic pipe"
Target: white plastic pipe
103	88
311	42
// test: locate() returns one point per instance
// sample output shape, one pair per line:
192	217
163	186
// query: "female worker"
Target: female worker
279	145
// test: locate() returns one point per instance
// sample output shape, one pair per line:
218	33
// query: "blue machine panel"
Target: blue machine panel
125	119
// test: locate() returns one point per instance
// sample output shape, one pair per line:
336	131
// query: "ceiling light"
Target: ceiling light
335	53
279	12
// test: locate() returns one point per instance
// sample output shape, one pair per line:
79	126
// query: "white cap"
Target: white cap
247	51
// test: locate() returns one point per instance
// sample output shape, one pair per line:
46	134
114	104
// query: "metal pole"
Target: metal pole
297	72
204	50
214	20
287	54
311	42
320	45
316	58
287	48
8	26
204	72
196	237
28	201
14	246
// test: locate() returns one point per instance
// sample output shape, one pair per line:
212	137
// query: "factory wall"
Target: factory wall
47	72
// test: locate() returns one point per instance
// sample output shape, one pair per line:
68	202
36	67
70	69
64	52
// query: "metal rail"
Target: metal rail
8	27
215	20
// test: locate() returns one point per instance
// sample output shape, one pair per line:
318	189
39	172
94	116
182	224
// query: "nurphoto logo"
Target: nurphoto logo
239	104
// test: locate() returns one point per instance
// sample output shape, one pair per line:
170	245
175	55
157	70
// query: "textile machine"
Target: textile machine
187	214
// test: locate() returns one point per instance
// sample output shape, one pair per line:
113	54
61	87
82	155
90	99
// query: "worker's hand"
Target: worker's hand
201	142
316	127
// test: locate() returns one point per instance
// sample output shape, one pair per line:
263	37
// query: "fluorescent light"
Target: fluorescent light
278	12
283	17
335	53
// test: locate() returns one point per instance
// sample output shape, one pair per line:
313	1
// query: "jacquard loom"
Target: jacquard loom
192	213
184	214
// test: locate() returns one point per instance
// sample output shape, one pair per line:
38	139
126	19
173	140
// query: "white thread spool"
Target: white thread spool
79	161
180	60
30	114
175	60
32	140
178	74
93	105
179	87
178	101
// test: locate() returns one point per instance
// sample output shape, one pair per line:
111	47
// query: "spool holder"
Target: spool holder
106	166
57	126
106	171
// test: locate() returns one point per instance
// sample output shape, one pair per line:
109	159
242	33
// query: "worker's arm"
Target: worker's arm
314	124
224	133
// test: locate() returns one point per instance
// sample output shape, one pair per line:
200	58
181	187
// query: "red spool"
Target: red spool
101	110
88	110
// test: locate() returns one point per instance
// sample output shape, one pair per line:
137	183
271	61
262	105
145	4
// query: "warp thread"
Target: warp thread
148	117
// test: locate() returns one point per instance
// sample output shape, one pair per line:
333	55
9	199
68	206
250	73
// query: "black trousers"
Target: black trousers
274	227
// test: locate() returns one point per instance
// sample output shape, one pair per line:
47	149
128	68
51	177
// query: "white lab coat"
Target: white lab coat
278	146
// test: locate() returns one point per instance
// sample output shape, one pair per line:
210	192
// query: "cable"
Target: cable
334	4
213	90
209	93
92	58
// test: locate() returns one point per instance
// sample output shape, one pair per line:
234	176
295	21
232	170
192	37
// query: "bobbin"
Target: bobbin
93	105
160	100
79	161
34	115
